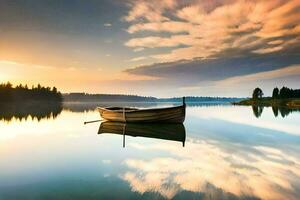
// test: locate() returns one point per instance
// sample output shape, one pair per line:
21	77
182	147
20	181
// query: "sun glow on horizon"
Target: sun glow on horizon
5	75
68	79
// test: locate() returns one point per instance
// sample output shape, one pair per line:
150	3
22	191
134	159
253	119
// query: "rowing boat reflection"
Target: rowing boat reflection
165	131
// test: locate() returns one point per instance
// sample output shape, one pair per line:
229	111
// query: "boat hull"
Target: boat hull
166	115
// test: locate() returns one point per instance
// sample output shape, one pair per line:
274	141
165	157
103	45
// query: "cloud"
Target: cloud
168	26
149	10
9	62
211	28
268	50
13	63
138	49
216	69
152	42
219	76
293	70
137	59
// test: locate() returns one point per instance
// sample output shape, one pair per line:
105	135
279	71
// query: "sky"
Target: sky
159	48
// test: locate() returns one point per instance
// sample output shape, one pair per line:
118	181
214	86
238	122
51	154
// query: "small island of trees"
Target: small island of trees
283	93
22	93
284	97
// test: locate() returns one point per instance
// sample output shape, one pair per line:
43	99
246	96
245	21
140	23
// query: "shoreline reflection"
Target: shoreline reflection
283	111
23	111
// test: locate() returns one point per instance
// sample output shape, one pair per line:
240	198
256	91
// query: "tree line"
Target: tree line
283	93
22	93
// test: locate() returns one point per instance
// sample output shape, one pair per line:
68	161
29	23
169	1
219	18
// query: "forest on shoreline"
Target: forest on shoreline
24	94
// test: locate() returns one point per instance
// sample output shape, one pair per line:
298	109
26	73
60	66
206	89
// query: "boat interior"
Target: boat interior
120	108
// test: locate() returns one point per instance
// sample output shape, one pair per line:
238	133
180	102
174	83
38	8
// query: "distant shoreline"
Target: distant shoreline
84	97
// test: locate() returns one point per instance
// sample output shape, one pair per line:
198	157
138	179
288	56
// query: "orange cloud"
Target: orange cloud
213	28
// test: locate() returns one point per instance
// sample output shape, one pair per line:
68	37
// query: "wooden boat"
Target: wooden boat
168	115
165	131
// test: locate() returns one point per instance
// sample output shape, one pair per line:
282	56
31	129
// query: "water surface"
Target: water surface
229	152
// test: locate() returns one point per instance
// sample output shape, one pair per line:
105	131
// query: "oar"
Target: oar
93	121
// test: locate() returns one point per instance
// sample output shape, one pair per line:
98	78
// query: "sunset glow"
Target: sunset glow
172	44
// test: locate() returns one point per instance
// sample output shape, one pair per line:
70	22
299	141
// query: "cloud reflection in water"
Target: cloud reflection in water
206	167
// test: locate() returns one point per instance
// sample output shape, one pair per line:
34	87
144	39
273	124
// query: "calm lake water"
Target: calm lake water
221	152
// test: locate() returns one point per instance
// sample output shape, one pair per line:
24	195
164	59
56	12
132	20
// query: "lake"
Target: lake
221	152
